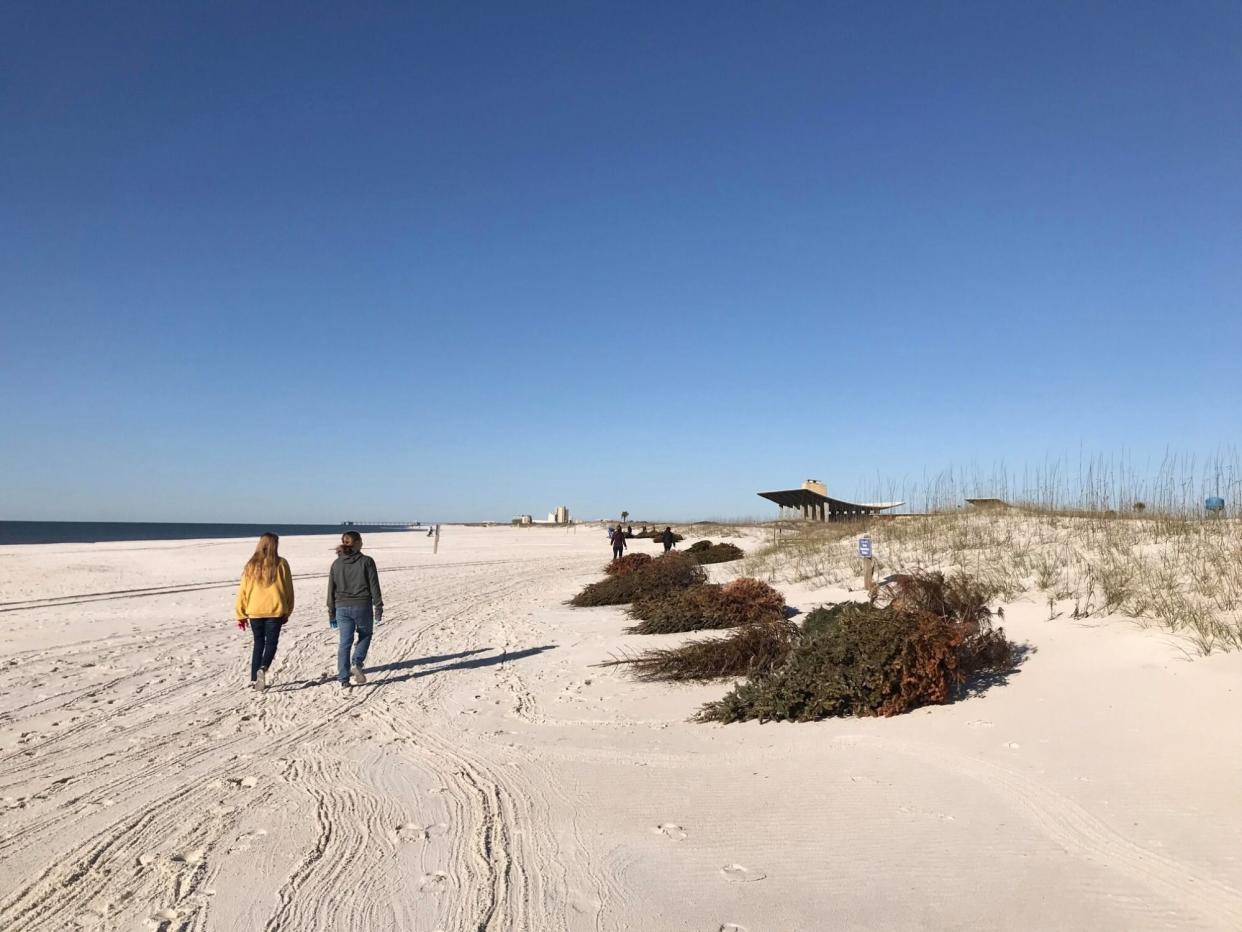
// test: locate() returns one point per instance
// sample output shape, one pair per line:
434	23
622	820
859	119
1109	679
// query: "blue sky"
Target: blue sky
326	261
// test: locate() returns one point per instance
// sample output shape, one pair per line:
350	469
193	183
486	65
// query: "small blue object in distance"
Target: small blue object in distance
1214	504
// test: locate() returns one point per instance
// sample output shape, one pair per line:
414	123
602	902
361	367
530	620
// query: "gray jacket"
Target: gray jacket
354	580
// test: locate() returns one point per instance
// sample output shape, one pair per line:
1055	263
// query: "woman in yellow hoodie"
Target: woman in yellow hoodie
265	601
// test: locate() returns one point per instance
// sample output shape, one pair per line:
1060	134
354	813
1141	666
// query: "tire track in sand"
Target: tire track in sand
1081	834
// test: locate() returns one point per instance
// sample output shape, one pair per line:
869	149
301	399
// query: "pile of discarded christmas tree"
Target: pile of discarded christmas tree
920	641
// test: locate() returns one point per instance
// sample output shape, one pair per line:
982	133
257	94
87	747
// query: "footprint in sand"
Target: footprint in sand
90	920
165	915
190	857
245	840
434	883
412	832
736	873
671	830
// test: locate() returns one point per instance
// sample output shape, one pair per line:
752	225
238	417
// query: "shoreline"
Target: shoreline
24	533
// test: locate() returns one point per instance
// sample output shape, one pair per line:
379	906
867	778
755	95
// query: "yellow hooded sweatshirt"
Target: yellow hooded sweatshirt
256	600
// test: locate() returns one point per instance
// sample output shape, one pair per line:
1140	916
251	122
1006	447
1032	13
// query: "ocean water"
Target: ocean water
84	532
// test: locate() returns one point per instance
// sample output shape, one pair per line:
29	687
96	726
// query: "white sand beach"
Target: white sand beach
490	777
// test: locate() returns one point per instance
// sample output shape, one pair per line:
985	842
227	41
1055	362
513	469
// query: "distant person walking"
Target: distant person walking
355	605
617	536
668	539
264	602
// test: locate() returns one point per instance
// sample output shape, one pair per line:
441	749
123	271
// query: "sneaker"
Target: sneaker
359	677
345	687
260	680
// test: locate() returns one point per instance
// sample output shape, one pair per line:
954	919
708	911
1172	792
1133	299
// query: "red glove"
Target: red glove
242	623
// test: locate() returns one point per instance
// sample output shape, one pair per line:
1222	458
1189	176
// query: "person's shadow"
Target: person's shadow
423	661
491	661
463	664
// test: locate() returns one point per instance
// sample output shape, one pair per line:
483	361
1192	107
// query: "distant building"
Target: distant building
813	503
558	517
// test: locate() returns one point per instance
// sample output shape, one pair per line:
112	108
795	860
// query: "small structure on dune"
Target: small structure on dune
813	503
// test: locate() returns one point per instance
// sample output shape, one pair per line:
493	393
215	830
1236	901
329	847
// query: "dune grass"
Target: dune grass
1179	572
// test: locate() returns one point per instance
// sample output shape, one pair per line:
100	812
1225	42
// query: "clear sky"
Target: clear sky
317	262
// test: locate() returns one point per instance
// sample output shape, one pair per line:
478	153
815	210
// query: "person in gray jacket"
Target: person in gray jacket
355	605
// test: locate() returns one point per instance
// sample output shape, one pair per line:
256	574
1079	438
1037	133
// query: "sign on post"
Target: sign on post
864	551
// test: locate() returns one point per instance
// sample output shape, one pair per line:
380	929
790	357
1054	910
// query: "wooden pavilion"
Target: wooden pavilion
813	503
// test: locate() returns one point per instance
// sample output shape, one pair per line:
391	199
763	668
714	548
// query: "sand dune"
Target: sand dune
489	777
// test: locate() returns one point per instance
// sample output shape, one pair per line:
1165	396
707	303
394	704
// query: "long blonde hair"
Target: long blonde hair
262	566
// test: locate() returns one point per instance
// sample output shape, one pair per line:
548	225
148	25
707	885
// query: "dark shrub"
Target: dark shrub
958	598
703	607
753	648
699	546
693	609
858	659
823	617
657	534
717	553
745	600
627	564
667	572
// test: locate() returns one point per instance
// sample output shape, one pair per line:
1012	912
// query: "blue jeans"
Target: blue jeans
266	633
351	619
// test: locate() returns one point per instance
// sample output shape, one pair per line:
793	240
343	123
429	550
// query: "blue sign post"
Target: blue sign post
1215	504
864	551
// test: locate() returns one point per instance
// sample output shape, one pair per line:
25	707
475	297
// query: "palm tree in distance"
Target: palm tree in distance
624	515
